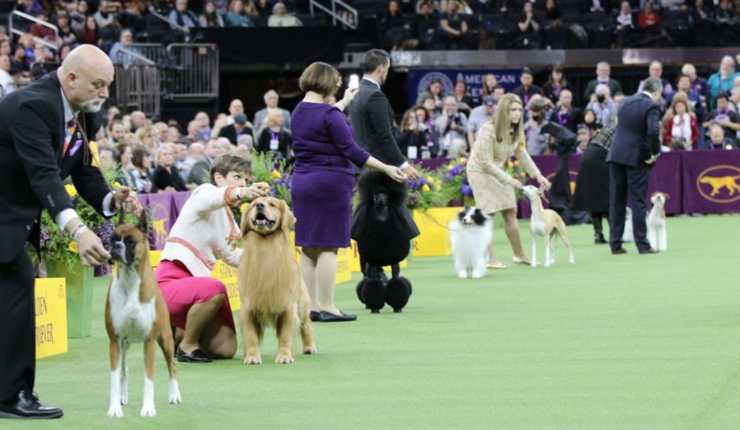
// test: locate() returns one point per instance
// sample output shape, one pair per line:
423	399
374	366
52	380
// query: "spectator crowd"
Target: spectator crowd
698	113
554	24
155	157
55	27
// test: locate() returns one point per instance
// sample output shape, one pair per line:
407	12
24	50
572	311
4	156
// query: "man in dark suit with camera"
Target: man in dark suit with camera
633	153
44	132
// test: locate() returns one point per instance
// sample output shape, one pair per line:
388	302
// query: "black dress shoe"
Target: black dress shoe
27	406
619	251
197	356
315	316
599	239
648	251
330	317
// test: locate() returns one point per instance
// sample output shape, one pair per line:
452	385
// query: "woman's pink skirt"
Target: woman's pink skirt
181	290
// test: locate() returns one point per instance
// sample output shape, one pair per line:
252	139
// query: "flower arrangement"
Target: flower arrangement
265	168
432	189
455	178
57	245
514	168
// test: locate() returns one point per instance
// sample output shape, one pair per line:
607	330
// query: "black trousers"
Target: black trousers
17	327
597	221
628	185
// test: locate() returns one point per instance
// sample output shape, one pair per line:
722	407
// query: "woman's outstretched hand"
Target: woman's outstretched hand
396	174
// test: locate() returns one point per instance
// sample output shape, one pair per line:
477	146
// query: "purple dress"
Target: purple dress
323	179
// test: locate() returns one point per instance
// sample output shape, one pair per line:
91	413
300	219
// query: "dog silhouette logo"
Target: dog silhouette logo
720	184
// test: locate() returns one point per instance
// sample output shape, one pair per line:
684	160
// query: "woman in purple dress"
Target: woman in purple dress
325	152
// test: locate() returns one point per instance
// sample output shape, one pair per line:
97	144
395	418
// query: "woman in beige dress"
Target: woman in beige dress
493	188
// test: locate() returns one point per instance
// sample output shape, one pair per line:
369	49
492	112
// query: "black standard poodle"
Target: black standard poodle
383	228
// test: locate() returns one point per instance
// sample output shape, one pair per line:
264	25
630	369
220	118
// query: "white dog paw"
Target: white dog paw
174	395
284	359
253	359
463	274
148	411
115	411
310	350
478	275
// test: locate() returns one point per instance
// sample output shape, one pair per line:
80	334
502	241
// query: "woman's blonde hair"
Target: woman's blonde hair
502	121
274	118
146	132
407	117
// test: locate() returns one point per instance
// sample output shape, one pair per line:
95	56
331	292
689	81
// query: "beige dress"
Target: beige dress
491	184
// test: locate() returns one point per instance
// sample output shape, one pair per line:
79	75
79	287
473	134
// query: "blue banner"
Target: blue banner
418	80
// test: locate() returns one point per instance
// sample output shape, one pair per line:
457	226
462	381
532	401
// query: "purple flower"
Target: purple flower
466	191
44	237
413	199
456	170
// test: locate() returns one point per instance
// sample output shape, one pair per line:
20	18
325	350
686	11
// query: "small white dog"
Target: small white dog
656	224
470	236
546	223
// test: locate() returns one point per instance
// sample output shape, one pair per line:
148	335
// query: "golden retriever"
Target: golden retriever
270	283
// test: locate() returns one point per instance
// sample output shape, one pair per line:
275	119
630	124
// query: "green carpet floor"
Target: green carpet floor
612	342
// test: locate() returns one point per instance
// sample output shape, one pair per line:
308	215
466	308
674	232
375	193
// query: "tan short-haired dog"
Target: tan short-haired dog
270	284
136	312
545	223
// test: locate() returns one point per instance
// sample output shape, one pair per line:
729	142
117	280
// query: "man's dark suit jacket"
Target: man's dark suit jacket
372	120
229	132
637	137
32	131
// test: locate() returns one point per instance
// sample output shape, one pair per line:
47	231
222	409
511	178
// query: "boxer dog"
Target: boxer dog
136	312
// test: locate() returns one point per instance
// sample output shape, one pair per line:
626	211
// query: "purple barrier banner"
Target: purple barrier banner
178	200
695	181
143	199
712	182
163	215
666	178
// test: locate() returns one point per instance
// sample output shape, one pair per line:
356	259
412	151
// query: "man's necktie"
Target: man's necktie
69	135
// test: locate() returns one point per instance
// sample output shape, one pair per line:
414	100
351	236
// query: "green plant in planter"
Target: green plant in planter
428	191
265	168
514	168
455	182
60	258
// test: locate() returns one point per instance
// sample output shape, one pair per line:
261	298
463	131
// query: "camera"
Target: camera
457	118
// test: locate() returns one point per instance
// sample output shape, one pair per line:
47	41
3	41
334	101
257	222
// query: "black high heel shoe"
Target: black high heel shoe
342	317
